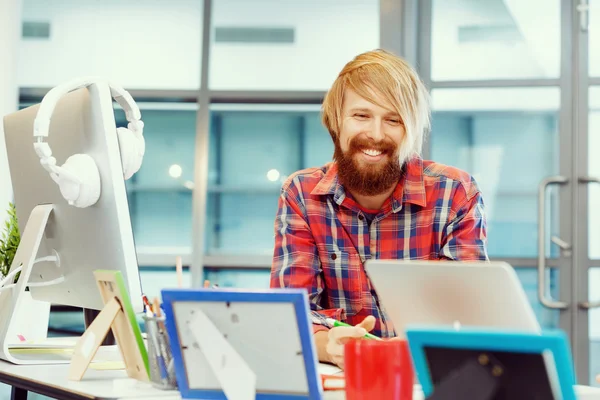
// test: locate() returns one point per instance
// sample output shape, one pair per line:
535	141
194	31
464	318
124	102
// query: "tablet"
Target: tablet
458	294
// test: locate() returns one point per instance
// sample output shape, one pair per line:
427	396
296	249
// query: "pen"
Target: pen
152	333
332	322
146	302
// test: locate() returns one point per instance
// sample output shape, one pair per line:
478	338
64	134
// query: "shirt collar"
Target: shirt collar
330	185
410	188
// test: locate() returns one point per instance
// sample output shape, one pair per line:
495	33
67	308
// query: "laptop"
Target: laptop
451	293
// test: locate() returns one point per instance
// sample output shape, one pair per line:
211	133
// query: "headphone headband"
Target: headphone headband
79	177
41	125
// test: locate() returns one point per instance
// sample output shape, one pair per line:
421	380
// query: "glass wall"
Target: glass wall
493	67
482	63
491	133
154	45
260	50
494	39
287	45
160	193
253	151
594	224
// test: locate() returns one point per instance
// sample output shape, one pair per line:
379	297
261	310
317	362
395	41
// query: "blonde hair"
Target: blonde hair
392	78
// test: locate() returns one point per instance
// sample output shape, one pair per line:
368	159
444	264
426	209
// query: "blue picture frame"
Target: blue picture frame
297	297
556	342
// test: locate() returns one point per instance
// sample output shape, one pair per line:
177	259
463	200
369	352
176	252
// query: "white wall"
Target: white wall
10	29
157	44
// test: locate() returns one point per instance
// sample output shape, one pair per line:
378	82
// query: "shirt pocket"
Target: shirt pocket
344	278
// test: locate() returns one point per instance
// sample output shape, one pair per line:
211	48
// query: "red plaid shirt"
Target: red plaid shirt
322	236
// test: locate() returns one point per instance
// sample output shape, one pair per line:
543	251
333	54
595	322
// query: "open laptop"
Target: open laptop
474	294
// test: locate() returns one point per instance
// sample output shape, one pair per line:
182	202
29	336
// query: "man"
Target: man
378	199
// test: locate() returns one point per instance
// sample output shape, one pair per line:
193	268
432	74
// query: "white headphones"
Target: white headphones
78	178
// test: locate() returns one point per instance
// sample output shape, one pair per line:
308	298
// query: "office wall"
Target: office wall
10	28
157	46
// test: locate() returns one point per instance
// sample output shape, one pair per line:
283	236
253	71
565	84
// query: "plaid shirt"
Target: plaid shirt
323	238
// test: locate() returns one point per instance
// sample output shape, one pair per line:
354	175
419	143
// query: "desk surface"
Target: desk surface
51	380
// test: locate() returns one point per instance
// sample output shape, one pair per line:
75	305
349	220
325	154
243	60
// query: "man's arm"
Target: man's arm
465	236
296	261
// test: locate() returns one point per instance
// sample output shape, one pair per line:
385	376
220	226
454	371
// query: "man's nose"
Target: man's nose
376	132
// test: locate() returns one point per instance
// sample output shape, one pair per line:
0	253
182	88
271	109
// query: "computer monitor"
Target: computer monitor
86	239
451	293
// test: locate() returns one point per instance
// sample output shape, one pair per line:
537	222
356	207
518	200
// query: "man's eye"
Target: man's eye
361	115
394	121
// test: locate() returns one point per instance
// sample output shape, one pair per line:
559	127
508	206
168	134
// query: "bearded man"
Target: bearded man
378	199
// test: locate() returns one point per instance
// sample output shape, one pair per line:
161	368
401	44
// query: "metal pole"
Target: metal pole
200	192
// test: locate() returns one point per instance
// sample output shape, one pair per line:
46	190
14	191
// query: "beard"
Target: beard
368	179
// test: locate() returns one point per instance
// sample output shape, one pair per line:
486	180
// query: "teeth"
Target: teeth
371	152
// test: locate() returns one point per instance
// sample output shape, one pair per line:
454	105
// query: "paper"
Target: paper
107	365
237	379
43	344
42	351
329	369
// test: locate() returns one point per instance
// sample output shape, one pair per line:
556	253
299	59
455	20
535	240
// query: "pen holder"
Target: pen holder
160	358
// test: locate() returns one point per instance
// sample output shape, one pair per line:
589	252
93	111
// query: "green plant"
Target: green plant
9	241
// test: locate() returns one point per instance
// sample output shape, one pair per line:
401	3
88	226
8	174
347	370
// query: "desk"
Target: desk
51	380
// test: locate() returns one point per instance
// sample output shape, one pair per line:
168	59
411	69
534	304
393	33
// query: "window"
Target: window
495	39
252	154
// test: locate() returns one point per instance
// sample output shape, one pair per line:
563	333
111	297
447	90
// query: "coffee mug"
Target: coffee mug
378	369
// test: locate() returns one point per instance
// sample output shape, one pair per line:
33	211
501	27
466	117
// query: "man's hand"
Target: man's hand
338	336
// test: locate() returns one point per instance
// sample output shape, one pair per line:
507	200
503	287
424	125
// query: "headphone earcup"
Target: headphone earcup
79	181
132	149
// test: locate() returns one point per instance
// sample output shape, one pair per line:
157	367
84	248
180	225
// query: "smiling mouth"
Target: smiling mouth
372	152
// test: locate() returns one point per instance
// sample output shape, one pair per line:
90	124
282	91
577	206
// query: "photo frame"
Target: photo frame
118	316
269	329
513	365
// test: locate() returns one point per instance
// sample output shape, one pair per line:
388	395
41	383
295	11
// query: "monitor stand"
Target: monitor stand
13	301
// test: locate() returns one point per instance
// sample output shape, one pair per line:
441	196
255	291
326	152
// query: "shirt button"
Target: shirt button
333	256
360	216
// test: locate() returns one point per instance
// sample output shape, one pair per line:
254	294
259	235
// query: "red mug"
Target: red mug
378	369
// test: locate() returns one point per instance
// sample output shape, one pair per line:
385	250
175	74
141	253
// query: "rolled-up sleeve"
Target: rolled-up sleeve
465	235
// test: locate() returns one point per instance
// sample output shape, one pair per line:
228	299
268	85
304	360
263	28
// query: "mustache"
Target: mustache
358	144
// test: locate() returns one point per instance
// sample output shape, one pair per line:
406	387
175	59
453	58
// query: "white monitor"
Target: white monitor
474	294
86	239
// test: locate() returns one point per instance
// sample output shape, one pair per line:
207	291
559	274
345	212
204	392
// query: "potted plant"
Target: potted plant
9	241
29	309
